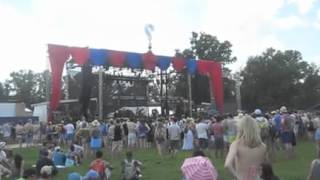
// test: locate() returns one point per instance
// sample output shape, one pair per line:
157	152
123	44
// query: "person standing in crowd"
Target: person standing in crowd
143	129
230	129
111	133
202	130
287	134
69	128
247	152
174	137
160	136
20	134
117	143
217	131
28	131
132	134
104	127
188	136
125	132
150	134
6	130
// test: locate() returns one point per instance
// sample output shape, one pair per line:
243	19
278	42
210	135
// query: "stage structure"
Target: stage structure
89	57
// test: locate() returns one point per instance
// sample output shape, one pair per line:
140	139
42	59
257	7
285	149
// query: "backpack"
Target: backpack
99	166
310	126
130	170
264	128
117	133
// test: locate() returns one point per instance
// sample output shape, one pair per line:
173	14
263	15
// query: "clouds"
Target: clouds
316	24
250	25
304	6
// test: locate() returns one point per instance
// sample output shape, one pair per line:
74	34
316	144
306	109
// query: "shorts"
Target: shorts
174	144
117	145
132	139
219	142
69	137
286	137
203	143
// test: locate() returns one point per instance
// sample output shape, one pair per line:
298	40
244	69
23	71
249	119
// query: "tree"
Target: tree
2	92
208	47
277	78
23	84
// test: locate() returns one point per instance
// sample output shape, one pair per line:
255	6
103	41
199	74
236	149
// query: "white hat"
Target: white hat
283	109
95	123
2	145
57	148
257	112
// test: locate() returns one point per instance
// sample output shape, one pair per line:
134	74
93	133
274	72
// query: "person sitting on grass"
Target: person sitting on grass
29	174
267	172
131	168
58	157
45	161
17	166
46	173
101	166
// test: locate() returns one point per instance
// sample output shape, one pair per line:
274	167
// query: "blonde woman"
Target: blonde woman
247	152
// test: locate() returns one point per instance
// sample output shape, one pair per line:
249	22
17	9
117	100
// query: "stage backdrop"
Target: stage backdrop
59	54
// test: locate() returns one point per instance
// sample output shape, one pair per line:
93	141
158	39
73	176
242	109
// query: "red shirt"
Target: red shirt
217	129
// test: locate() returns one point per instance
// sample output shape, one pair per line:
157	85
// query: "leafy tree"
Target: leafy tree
278	78
208	47
23	85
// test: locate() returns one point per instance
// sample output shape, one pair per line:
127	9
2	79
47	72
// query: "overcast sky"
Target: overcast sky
250	25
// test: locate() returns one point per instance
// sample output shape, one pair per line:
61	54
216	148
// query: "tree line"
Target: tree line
268	80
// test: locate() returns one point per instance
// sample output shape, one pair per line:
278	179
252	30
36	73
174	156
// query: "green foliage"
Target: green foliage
278	78
25	86
207	47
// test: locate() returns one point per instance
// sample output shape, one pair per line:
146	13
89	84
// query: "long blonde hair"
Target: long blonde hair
249	132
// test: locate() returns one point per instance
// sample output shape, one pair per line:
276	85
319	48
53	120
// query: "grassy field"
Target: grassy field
156	168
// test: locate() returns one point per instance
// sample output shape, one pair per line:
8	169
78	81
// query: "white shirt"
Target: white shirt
174	131
202	130
69	128
132	127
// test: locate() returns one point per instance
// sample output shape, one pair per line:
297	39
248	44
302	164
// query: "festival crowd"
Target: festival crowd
249	142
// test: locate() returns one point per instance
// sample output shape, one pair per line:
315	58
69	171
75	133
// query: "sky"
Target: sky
250	25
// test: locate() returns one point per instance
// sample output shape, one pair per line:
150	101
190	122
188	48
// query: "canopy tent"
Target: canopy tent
59	54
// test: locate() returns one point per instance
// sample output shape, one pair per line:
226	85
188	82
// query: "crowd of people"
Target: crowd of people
249	142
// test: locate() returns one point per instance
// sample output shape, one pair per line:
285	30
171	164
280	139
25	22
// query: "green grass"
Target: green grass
156	168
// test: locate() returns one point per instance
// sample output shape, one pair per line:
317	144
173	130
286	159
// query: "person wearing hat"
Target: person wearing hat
46	173
287	134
